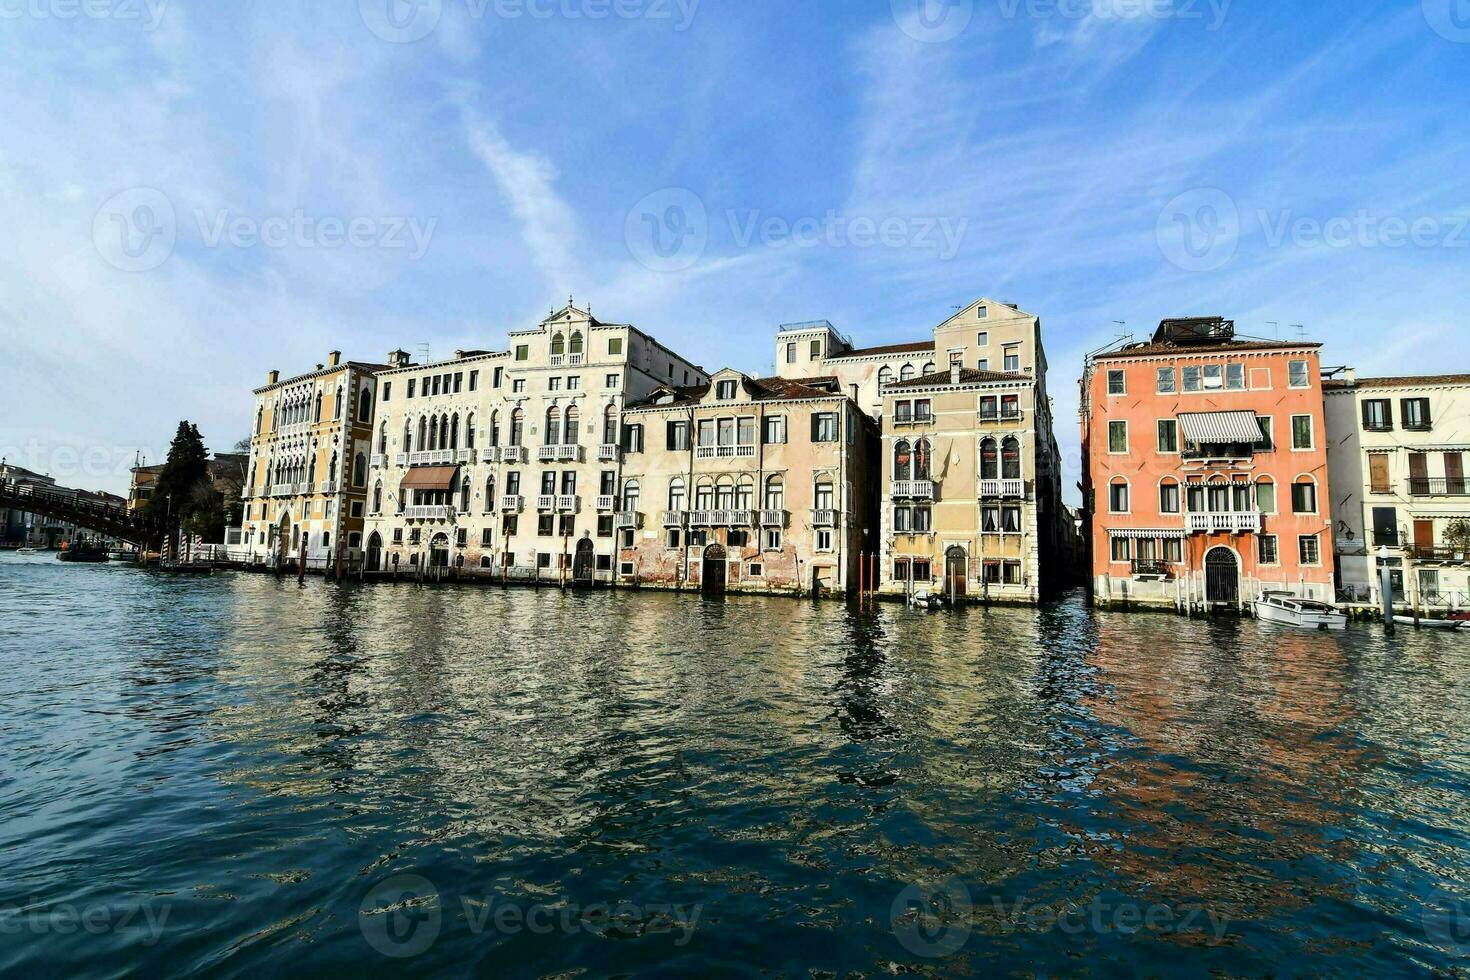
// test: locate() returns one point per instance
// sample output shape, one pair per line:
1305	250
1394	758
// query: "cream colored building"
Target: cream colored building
305	492
1396	463
746	484
970	494
524	486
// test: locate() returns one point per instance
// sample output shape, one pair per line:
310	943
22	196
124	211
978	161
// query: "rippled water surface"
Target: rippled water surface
241	776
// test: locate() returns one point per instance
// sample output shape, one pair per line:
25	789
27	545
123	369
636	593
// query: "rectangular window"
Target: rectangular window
1012	573
574	383
902	519
982	339
461	536
1235	377
633	438
988	407
411	382
1301	432
1378	415
1168	498
1266	548
1122	550
498	378
553	384
1010	519
984	364
474	380
775	430
676	436
824	427
1415	413
824	539
771	539
387	391
511	523
1193	380
566	525
1118	438
546	525
1174	551
518	386
745	431
1013	359
611	381
1166	384
673	539
903	412
1168	435
1268	441
816	350
1214	376
614	345
1309	550
791	353
725	390
1386	526
923	520
1266	497
523	352
923	410
1117	383
1304	498
458	383
1298	375
398	535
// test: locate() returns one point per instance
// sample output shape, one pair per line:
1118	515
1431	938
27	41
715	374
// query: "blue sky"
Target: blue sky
289	178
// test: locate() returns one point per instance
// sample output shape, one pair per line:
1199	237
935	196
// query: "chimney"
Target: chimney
334	357
273	377
954	373
1350	375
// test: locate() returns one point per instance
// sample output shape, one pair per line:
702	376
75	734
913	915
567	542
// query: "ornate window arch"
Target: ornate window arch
575	346
678	497
558	344
571	425
365	404
1010	458
989	460
378	497
517	427
359	470
775	496
907	373
553	427
903	460
923	460
885	376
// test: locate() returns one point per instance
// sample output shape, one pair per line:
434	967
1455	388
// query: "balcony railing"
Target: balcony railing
512	454
771	517
546	501
328	486
559	454
722	518
1002	488
512	502
432	457
379	461
673	518
282	490
464	456
576	360
723	452
609	453
1225	522
607	502
824	517
1440	553
1010	415
1231	450
914	489
571	503
1153	568
434	513
400	459
489	454
628	518
300	489
1420	486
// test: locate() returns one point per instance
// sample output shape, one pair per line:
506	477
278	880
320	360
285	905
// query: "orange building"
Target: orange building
1205	469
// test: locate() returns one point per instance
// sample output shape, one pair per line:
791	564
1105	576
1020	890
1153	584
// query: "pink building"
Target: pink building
1205	469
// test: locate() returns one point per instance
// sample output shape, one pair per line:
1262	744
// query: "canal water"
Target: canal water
238	775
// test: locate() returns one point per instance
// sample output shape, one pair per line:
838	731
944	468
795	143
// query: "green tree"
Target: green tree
174	497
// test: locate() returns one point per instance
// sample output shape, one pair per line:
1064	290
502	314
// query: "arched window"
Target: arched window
433	440
259	418
775	494
454	431
558	345
464	496
1010	459
1169	496
378	497
332	470
903	460
495	428
489	494
318	406
989	460
365	405
444	431
383	438
553	426
1266	496
725	494
573	422
929	368
408	435
745	494
610	426
631	490
704	495
576	345
907	373
678	497
1118	502
469	432
311	471
517	426
359	471
337	406
885	376
1304	495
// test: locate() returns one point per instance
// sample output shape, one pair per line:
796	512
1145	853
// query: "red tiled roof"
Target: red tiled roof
968	376
766	389
1422	381
1166	347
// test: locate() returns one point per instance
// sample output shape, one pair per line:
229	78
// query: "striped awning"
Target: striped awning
1216	427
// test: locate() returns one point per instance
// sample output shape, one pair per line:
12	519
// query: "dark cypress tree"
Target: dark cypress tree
176	493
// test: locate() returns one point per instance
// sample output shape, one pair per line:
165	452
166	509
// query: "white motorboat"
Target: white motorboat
1290	609
1424	622
924	599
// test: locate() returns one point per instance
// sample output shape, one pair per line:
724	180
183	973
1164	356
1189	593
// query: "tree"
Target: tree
174	498
1457	535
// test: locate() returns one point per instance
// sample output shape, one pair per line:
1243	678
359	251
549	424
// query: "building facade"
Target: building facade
1205	476
305	494
746	484
1401	500
506	464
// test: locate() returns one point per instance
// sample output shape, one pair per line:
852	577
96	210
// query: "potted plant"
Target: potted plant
1457	536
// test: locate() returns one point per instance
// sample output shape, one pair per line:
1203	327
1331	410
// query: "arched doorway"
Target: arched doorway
283	537
584	563
956	567
1222	576
439	551
375	552
712	577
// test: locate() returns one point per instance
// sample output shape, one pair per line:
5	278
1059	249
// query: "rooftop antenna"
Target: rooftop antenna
423	350
1301	331
1275	326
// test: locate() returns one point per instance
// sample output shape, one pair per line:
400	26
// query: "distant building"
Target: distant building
22	529
1397	459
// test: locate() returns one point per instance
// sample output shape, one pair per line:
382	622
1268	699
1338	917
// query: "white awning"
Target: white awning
1218	427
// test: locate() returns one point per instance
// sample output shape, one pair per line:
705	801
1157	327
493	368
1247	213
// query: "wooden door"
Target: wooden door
1454	473
1418	473
1423	536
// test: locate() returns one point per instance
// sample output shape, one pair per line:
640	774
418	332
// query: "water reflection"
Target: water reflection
263	755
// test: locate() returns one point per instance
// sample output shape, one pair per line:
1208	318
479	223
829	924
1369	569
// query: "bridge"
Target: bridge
76	507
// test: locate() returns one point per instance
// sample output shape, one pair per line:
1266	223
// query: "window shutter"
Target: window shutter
1427	420
669	435
816	426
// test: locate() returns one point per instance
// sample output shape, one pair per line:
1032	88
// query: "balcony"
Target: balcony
328	486
282	490
1002	488
914	489
1152	568
432	457
379	461
464	455
435	513
722	518
512	502
1221	451
301	489
576	360
628	519
774	518
1006	415
673	518
559	454
489	454
824	517
1422	486
568	503
513	454
724	452
1224	522
400	459
1440	553
607	502
609	453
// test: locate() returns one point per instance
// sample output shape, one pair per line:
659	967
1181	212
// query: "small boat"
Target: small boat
1424	622
924	599
84	554
186	568
123	555
1289	609
25	551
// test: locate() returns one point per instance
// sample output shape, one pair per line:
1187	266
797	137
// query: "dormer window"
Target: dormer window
725	391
